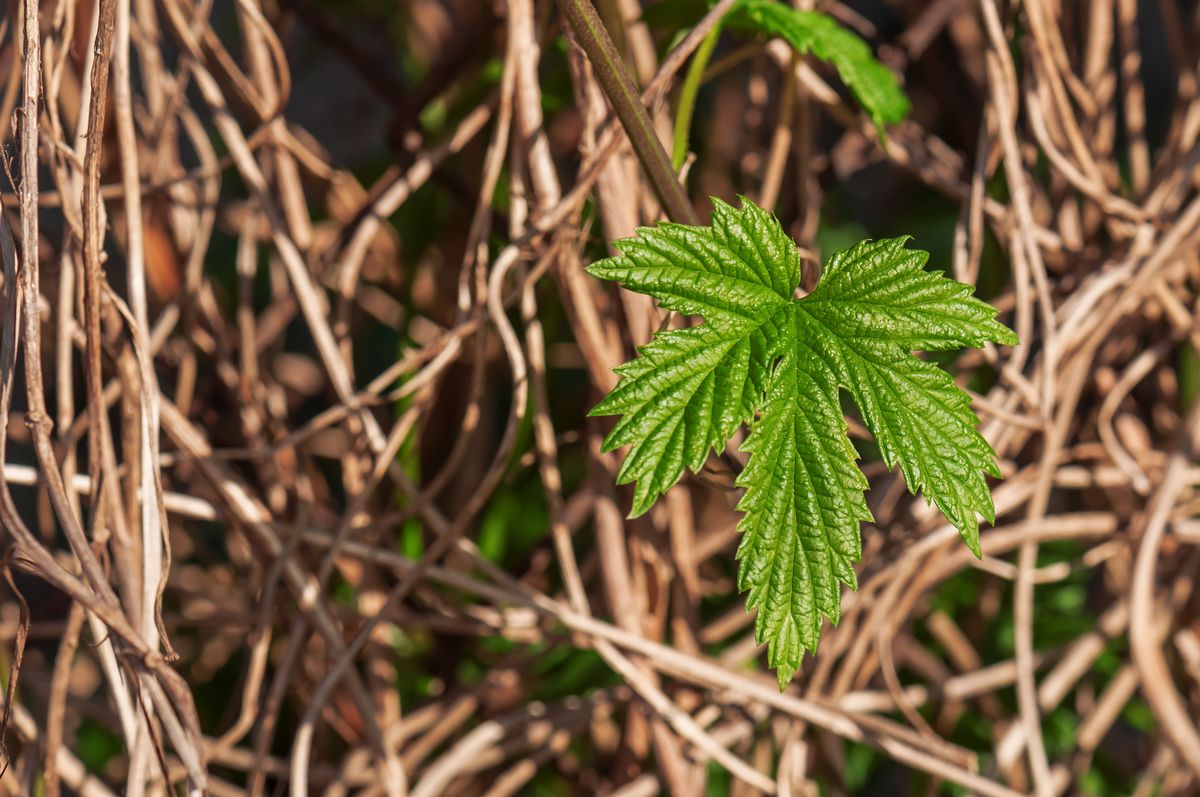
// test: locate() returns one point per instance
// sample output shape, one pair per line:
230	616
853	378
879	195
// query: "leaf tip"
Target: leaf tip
971	538
644	496
880	133
721	205
599	269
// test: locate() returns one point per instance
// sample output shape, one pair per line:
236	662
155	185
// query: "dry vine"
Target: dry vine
208	461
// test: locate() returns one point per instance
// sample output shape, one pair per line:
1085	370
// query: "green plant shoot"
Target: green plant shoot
776	363
872	83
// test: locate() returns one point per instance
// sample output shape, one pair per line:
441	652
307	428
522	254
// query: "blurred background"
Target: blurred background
313	333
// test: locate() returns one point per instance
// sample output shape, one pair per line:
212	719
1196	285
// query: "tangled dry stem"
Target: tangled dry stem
199	413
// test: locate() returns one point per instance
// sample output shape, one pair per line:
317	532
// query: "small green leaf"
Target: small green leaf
872	83
777	364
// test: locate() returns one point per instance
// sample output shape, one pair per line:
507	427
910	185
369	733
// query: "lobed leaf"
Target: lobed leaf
776	363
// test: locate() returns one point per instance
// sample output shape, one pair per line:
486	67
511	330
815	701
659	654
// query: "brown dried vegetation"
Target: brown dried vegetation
299	492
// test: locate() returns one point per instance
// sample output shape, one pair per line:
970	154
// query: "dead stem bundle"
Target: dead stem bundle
299	488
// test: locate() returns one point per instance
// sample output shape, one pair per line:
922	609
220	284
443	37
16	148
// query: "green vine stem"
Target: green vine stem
687	96
618	86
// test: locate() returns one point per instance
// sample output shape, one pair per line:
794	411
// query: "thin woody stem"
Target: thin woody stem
618	86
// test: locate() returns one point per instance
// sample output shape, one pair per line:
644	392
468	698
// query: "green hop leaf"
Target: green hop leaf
873	84
776	363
